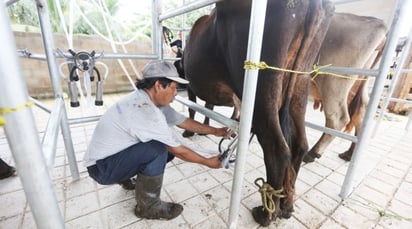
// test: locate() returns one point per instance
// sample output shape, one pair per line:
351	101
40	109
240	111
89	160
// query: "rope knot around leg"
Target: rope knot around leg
268	192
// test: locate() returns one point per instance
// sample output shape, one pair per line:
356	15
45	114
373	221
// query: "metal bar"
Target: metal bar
41	105
104	56
400	100
22	134
395	78
74	121
68	145
257	22
48	43
350	71
50	135
334	132
232	124
186	8
365	133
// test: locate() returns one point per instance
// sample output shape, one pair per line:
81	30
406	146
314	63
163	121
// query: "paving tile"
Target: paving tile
330	189
212	222
172	175
177	222
391	221
308	177
141	224
93	220
385	177
12	204
307	215
243	221
11	222
81	205
120	214
252	201
191	169
318	169
203	182
10	184
401	209
218	198
252	175
290	223
180	191
374	197
351	219
112	194
28	220
301	187
320	201
83	185
380	186
363	207
196	210
331	224
336	178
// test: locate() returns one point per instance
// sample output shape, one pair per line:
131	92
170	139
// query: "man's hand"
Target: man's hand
214	162
224	132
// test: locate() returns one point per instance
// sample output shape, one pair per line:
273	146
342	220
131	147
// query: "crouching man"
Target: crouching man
134	138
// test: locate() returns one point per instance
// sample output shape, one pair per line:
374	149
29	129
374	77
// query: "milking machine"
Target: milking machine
227	154
86	63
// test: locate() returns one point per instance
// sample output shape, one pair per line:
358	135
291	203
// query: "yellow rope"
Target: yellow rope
267	192
249	65
4	111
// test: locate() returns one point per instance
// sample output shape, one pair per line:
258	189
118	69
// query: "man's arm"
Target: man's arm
189	155
200	128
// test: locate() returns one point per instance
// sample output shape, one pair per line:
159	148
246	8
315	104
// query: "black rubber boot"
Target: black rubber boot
6	170
128	184
149	205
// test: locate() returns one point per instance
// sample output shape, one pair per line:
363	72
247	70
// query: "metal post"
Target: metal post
257	22
394	80
48	43
157	34
349	182
22	134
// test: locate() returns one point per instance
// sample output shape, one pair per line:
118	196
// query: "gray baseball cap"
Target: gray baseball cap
161	68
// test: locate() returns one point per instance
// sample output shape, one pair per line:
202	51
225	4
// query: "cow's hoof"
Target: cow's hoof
187	134
261	216
346	155
310	157
286	213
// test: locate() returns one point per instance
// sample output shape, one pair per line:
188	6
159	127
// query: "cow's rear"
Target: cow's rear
214	64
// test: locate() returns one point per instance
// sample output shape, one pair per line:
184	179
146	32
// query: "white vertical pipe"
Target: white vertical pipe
395	78
257	22
22	134
365	133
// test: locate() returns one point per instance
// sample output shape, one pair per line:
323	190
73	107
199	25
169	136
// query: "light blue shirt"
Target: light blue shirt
132	120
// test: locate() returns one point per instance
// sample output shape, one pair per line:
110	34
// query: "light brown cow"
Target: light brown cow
352	41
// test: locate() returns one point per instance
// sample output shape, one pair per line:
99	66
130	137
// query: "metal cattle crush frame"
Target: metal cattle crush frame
19	124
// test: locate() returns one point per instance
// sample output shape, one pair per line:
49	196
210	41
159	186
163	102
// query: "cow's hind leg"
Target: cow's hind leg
277	158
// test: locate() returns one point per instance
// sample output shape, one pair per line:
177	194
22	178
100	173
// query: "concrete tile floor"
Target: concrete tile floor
382	200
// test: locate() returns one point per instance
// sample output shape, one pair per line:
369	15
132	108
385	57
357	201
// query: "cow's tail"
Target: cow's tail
356	107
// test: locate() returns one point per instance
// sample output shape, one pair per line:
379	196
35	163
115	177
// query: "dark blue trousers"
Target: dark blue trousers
148	158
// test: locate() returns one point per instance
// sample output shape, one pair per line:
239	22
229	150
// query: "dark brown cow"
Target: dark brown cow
351	41
214	64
